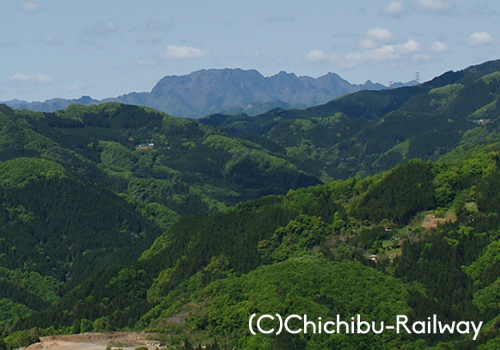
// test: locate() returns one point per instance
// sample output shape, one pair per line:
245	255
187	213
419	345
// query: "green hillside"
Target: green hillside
188	168
205	269
58	229
117	217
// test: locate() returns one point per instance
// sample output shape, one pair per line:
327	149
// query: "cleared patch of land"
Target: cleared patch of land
431	221
96	341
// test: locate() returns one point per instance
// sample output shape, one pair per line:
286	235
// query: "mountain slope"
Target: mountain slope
370	131
429	230
58	229
188	168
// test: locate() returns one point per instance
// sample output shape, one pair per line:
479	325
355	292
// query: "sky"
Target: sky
106	48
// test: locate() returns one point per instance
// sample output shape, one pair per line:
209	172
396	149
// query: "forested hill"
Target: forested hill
311	252
58	229
152	157
371	131
185	228
91	187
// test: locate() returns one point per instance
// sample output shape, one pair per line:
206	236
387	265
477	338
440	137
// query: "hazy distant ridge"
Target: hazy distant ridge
224	90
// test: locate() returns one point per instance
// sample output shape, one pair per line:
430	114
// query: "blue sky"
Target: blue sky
105	48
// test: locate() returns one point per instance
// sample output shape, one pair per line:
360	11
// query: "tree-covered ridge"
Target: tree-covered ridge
371	131
152	157
308	285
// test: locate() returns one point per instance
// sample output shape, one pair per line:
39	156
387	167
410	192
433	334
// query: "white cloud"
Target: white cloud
376	37
394	8
410	47
433	5
316	56
439	47
479	39
74	87
380	34
30	78
32	7
409	50
367	44
174	53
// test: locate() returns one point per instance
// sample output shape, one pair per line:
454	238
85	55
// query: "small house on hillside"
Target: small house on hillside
145	145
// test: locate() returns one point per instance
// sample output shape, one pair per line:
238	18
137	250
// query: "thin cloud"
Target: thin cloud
145	63
274	18
149	40
101	29
8	43
75	87
175	53
479	39
155	26
478	10
32	7
436	6
250	56
93	42
51	41
31	78
95	36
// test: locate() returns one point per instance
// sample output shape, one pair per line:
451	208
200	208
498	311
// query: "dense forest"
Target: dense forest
379	203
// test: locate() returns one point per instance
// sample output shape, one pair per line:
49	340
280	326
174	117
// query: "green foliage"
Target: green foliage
23	338
313	286
487	261
19	172
10	310
46	287
297	238
399	194
116	157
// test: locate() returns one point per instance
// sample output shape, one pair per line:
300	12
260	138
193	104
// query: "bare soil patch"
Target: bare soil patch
96	341
431	221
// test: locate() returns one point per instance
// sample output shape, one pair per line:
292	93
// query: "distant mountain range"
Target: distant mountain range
227	91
